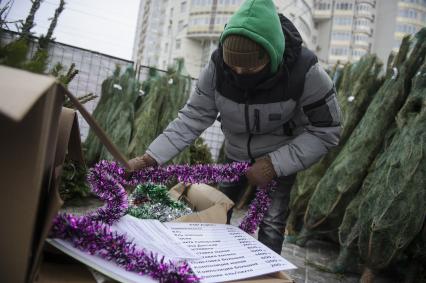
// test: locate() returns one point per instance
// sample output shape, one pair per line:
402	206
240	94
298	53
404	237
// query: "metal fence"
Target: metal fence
212	136
94	68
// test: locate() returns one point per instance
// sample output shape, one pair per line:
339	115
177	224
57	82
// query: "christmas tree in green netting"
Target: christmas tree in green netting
392	210
114	113
345	175
134	114
359	82
166	96
16	53
415	256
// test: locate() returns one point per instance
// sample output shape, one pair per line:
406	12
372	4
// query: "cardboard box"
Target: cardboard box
30	106
37	133
211	205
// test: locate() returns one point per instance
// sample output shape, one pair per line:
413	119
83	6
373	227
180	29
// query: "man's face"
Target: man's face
247	71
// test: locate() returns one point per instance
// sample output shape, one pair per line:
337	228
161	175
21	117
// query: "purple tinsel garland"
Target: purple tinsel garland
257	209
92	233
96	238
210	173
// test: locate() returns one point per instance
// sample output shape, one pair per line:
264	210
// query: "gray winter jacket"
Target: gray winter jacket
295	131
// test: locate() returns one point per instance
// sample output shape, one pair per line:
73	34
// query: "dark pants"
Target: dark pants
271	229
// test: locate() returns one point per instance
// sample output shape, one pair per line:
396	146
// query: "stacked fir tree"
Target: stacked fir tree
369	194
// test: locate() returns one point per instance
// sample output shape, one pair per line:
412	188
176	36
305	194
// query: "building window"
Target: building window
358	53
344	6
177	44
205	2
408	13
406	28
220	20
183	7
362	22
341	35
339	51
415	1
361	37
343	21
322	5
180	25
363	7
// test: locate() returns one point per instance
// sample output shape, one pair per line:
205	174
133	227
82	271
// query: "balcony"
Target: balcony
203	34
371	2
322	14
361	44
367	14
206	26
201	9
363	29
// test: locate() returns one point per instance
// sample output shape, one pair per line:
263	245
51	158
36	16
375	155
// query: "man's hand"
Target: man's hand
141	162
261	172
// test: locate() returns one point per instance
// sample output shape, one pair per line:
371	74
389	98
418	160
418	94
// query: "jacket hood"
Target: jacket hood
293	41
293	44
259	21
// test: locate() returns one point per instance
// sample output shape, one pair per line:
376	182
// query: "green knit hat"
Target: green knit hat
258	21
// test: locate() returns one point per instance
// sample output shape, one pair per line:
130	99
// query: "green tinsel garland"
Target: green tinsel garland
151	201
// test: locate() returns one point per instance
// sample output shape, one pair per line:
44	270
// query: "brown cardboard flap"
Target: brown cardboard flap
68	138
27	151
201	196
17	99
66	121
30	165
211	205
75	151
54	204
115	152
215	214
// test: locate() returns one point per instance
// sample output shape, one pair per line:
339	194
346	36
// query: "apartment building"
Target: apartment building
348	29
301	13
337	30
394	20
149	32
190	29
345	29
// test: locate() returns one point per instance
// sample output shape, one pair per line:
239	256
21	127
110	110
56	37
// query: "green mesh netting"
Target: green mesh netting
345	175
394	208
167	95
358	84
114	113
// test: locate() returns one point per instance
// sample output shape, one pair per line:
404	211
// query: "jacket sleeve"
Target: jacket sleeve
319	104
198	114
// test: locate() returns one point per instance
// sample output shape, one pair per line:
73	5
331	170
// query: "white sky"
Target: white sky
106	26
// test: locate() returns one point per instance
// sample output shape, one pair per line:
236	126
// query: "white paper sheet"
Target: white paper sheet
227	252
153	236
216	252
148	234
108	268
